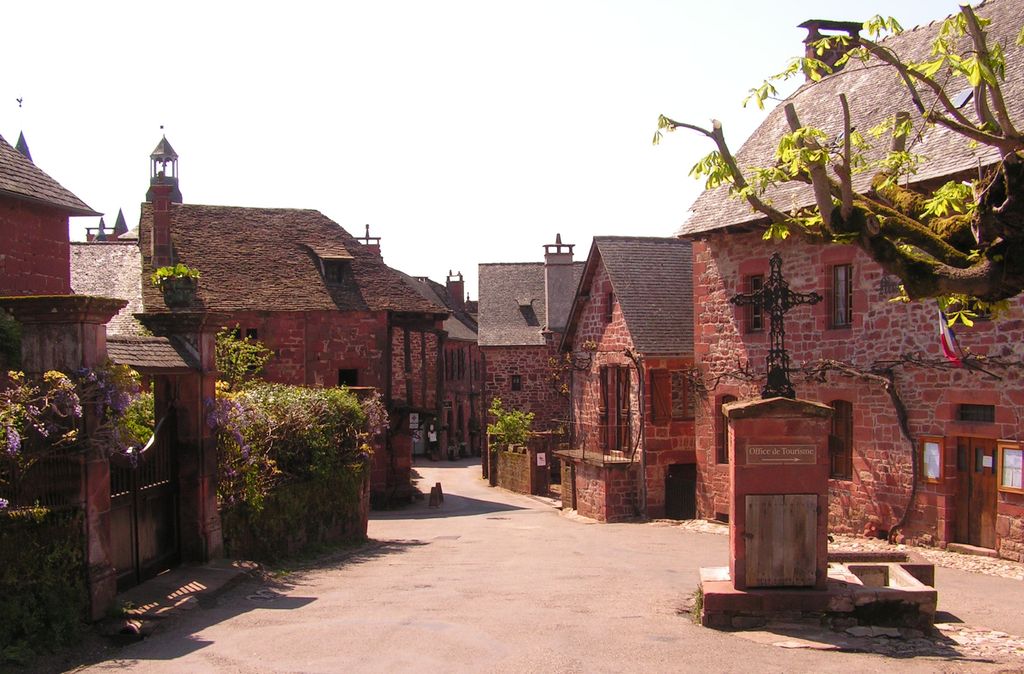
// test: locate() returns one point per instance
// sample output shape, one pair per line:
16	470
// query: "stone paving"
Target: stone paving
990	566
950	640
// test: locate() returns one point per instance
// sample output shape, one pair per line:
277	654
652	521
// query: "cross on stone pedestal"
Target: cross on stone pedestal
776	299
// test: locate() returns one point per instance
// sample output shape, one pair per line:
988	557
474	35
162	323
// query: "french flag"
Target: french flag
950	349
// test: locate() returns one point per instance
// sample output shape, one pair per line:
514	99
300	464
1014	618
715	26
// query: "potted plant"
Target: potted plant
177	283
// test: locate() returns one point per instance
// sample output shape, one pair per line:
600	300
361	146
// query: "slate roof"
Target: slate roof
269	259
874	93
21	179
110	269
512	304
652	278
460	325
151	353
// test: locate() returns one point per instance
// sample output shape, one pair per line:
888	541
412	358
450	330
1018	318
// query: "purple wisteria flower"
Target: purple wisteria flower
13	440
4	503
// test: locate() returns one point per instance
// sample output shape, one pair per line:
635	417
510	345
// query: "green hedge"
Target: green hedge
297	518
43	592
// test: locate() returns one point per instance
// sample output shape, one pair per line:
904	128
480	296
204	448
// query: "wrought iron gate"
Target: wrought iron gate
144	512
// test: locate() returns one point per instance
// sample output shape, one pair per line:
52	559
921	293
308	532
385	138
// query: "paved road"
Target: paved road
497	582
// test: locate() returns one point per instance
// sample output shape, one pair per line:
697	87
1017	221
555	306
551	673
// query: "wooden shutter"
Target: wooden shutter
602	411
661	396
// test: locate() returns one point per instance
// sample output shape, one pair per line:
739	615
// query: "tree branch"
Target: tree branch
819	175
983	55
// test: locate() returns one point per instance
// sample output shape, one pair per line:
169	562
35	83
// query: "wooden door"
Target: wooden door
781	541
976	499
976	492
681	491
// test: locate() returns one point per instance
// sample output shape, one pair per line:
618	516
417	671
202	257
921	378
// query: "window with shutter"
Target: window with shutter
661	397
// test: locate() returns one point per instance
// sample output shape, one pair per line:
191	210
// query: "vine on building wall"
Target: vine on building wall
880	373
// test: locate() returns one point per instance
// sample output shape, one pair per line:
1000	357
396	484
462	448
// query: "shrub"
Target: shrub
510	427
43	595
175	271
240	360
271	434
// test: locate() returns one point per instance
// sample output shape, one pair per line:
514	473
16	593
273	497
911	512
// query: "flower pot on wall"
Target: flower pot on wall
178	292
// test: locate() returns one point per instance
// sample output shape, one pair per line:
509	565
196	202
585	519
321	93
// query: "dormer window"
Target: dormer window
334	271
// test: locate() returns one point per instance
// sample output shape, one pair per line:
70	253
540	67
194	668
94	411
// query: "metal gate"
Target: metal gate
144	511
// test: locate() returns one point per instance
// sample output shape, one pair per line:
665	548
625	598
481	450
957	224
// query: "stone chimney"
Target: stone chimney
456	287
372	243
160	240
833	54
559	284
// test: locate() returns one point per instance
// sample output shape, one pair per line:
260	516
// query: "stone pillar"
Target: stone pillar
778	513
196	451
68	333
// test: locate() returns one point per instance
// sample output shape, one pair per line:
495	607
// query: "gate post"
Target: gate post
65	333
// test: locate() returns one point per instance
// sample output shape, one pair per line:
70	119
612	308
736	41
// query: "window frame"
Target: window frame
754	322
923	441
846	470
1001	447
515	382
722	430
835	320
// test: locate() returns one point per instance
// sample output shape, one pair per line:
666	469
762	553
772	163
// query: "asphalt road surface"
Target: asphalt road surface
498	582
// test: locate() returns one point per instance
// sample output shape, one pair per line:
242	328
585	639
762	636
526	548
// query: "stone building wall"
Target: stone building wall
882	332
35	256
538	392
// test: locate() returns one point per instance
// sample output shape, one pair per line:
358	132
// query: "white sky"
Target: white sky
462	131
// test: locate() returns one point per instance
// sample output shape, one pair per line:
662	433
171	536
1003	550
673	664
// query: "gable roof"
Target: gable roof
512	303
110	269
21	179
270	259
460	325
874	93
152	354
652	278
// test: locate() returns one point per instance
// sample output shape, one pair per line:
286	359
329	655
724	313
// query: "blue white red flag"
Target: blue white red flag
950	348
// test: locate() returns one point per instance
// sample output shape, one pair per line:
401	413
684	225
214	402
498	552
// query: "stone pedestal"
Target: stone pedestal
67	333
778	519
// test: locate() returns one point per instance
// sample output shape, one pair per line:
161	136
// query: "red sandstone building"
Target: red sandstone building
524	307
323	301
957	478
461	431
629	343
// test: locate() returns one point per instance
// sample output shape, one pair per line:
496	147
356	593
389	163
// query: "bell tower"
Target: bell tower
164	170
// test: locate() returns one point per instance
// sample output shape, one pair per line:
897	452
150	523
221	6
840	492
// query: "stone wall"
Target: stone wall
35	256
514	470
534	367
315	348
881	332
607	493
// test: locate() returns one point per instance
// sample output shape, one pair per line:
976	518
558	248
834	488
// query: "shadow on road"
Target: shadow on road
453	506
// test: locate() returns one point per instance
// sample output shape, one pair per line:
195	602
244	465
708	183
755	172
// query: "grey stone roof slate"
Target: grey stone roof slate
151	353
22	179
459	325
110	269
874	93
512	304
652	278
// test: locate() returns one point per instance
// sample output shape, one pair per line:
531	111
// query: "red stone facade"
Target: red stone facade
330	348
35	256
875	490
616	431
464	418
522	376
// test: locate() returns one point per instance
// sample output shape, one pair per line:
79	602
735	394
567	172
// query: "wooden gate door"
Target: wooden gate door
144	515
781	547
681	491
976	493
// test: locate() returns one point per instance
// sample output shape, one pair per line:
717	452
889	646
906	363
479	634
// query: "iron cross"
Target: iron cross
776	299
